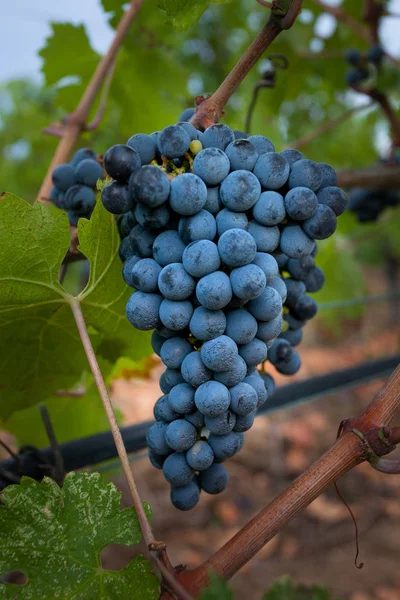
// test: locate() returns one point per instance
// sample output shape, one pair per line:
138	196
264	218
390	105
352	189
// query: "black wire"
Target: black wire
100	447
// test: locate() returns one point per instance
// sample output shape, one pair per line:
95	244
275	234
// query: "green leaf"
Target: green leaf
285	589
185	13
54	536
218	589
40	349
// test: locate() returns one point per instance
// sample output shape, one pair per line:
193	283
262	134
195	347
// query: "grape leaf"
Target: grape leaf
184	13
40	349
54	536
285	589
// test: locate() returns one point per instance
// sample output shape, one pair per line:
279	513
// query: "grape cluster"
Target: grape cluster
218	238
363	64
74	185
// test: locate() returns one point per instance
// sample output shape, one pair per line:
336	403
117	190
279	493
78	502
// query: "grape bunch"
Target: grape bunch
74	185
363	64
218	239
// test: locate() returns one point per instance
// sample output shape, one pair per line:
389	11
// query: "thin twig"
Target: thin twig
388	111
59	473
326	126
103	99
372	13
8	449
170	577
76	121
209	111
101	386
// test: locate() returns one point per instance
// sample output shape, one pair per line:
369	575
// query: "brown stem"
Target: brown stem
389	112
210	109
326	126
372	13
59	472
384	406
346	453
377	177
76	122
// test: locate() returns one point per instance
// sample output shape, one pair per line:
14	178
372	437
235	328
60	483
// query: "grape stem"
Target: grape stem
75	123
210	109
363	437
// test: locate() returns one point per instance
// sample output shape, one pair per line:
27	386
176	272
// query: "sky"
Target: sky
26	24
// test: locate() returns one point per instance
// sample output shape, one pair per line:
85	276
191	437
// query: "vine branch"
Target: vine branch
209	110
76	121
382	177
348	451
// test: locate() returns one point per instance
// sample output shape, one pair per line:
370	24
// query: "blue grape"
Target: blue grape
293	336
212	165
244	399
174	351
196	419
222	424
157	460
152	218
306	307
201	258
127	269
333	197
190	129
175	283
267	264
125	249
241	326
180	435
169	379
257	383
329	177
295	289
322	224
240	190
120	161
181	398
269	330
269	209
353	57
200	456
315	280
240	135
234	375
207	324
291	367
244	422
300	268
223	446
213	203
64	177
242	154
301	203
266	238
142	310
267	306
295	243
214	479
156	440
165	332
150	186
219	354
280	352
176	469
212	398
293	322
188	194
237	247
201	226
272	170
253	353
144	145
163	410
168	248
261	143
57	197
227	219
248	282
214	291
305	173
185	497
142	241
269	383
156	342
173	141
187	114
279	285
88	172
194	370
176	315
217	136
73	218
355	76
81	154
281	259
144	275
115	196
126	222
80	200
292	155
